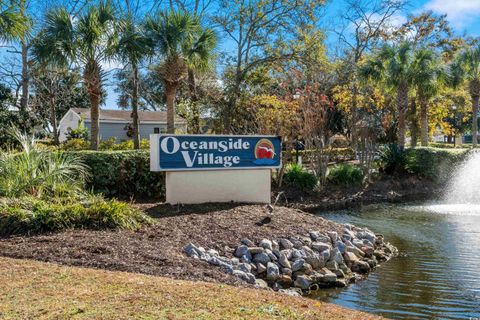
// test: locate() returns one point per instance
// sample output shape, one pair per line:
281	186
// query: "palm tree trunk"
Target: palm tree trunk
402	105
423	119
136	122
53	116
413	124
170	92
194	99
475	99
92	78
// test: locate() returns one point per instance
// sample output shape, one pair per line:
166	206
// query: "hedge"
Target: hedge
123	174
436	164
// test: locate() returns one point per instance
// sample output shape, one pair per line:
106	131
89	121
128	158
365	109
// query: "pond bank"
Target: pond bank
159	249
386	190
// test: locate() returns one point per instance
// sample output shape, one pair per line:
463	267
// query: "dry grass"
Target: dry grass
38	290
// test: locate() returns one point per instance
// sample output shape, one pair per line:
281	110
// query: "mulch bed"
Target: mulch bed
158	249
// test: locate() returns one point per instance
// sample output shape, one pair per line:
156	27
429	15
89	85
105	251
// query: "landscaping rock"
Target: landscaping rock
286	244
315	261
247	277
266	244
320	246
333	236
242	251
360	267
287	271
283	260
247	242
261	257
255	250
261	283
245	267
261	268
298	264
303	282
272	271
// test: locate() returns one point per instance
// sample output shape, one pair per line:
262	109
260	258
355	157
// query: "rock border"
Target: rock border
300	264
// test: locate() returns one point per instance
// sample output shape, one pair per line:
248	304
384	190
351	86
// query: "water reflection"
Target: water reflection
437	274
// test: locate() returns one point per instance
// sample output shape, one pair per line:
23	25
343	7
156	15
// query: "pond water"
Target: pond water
437	274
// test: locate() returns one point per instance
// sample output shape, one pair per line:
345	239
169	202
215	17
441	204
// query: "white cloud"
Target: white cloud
460	13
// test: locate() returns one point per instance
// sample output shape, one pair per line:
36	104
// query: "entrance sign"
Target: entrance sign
212	152
215	168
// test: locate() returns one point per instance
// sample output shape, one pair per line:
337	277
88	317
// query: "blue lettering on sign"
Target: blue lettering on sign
197	152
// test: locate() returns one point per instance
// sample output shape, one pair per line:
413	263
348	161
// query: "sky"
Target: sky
463	16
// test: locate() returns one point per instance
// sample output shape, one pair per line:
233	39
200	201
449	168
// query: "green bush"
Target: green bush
33	215
345	175
392	159
335	154
296	176
75	144
436	164
122	173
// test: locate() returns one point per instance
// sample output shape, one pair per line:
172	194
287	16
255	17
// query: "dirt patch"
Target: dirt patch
158	249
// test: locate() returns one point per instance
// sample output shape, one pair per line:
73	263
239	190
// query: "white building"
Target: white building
113	123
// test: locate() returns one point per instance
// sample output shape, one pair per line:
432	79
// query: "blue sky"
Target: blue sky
463	15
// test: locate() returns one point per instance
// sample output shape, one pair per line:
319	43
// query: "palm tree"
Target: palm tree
466	68
395	66
13	24
428	80
182	43
132	47
87	41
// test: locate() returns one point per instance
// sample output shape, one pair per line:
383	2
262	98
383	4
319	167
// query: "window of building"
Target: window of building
156	130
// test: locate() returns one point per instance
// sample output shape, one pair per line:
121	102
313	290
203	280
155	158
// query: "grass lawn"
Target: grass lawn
38	290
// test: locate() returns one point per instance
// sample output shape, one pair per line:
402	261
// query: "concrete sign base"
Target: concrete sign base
190	187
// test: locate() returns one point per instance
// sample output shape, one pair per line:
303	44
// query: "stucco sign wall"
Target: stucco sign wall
211	168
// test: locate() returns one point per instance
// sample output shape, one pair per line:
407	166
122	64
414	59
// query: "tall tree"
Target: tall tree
394	65
181	43
364	24
466	69
261	32
87	41
428	81
132	47
13	24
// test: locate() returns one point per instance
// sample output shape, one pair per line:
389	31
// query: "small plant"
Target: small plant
392	159
39	173
75	145
298	177
345	175
78	133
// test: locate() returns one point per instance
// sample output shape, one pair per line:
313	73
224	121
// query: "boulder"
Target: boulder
275	246
283	260
297	244
242	251
261	283
213	252
320	246
328	276
341	246
266	244
297	254
326	254
317	236
247	242
350	257
360	267
261	268
287	271
245	267
333	236
255	250
303	282
261	257
191	250
272	271
285	280
247	277
298	264
290	292
286	244
271	255
332	265
316	261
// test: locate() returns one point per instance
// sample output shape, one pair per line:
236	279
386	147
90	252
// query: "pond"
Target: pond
437	274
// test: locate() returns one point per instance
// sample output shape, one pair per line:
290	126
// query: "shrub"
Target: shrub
122	173
75	144
435	164
296	176
345	175
39	173
33	215
392	159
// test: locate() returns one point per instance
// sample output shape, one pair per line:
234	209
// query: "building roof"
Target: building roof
125	115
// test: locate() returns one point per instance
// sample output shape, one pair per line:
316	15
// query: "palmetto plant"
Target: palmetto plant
87	41
132	47
466	69
38	173
13	24
182	43
394	65
429	78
